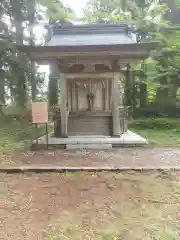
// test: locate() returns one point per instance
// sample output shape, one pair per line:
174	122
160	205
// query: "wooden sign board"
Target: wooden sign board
39	112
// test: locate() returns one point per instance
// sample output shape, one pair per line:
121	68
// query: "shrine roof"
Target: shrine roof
91	40
91	34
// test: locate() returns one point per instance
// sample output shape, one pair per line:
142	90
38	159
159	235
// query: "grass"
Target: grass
161	132
160	138
17	134
151	212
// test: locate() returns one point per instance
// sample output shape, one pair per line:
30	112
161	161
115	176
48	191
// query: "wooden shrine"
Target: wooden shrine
87	60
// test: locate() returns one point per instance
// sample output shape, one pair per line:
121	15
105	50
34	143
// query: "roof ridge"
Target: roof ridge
94	28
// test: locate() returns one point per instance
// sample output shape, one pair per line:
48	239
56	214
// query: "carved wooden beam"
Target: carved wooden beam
116	65
89	75
86	60
102	68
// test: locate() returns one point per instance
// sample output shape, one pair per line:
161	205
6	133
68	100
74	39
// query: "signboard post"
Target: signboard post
40	116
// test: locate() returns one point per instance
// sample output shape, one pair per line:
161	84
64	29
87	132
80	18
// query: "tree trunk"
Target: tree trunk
53	84
143	88
127	88
133	95
33	83
31	11
2	91
143	94
17	13
52	91
2	84
19	32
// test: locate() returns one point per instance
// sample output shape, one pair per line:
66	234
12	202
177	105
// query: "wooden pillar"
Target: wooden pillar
107	94
115	104
63	105
74	104
54	70
77	96
53	84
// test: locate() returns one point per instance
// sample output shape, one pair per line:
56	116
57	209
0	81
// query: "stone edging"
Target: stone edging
61	169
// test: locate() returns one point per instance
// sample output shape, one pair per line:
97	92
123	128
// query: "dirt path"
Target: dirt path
86	206
132	157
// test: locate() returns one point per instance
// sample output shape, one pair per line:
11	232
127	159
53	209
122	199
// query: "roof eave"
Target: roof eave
45	52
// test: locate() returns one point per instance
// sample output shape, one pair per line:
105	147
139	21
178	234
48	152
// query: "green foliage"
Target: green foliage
53	234
159	132
151	23
15	67
56	10
177	3
17	132
20	82
105	10
19	79
14	134
156	124
164	174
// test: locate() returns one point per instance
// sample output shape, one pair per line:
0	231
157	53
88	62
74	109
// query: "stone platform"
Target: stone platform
94	142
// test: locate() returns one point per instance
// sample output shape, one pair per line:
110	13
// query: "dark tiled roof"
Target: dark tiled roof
91	34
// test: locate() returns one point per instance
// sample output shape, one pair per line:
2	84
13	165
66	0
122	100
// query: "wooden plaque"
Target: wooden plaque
39	112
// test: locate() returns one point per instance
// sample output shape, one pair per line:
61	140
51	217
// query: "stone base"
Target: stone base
89	146
116	136
96	142
64	136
